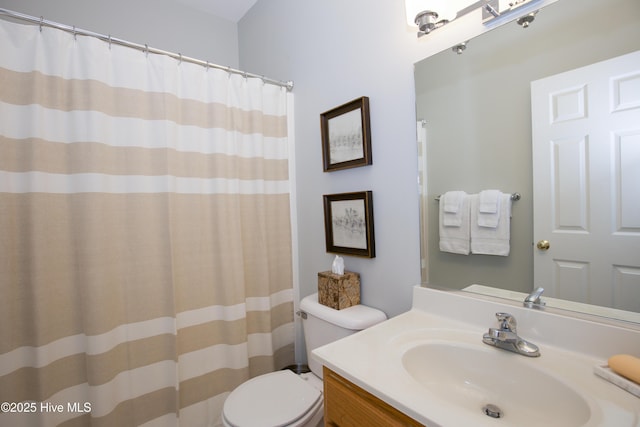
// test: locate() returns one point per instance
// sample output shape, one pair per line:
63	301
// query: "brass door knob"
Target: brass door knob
543	245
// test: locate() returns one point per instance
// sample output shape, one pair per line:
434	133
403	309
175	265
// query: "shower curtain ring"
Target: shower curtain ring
146	50
75	33
109	39
207	66
180	62
41	22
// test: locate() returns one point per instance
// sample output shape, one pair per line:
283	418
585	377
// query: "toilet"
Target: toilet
284	398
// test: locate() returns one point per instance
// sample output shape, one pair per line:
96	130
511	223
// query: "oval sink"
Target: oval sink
495	383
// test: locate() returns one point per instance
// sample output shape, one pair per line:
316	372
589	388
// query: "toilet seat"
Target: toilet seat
276	399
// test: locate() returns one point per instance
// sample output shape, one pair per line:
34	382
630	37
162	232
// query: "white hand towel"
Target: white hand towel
489	208
451	202
455	239
492	240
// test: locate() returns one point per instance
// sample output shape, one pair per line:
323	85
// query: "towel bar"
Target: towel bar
514	197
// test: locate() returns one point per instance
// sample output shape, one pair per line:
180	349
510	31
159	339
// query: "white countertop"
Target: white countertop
571	347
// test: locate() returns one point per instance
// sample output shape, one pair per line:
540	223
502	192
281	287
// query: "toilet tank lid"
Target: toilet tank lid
356	317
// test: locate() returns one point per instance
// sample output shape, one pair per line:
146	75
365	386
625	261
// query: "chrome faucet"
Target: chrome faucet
533	300
506	337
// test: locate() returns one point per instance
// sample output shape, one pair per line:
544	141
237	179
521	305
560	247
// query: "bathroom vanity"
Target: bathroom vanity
347	405
429	366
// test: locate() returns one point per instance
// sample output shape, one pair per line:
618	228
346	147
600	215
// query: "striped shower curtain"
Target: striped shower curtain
145	233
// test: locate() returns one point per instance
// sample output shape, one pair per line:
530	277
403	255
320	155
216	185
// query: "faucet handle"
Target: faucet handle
534	298
507	322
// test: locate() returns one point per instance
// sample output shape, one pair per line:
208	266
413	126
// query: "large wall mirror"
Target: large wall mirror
476	134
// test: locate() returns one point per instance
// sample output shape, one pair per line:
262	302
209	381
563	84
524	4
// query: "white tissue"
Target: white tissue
338	265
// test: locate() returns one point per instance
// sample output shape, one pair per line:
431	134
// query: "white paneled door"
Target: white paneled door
586	175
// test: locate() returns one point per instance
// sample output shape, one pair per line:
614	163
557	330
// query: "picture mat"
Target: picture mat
345	137
349	224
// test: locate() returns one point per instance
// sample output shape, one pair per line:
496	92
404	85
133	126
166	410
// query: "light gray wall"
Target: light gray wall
336	51
162	24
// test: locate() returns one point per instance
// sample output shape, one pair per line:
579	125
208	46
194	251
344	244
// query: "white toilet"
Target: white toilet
284	398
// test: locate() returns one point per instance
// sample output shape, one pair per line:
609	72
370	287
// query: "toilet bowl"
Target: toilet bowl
280	398
284	398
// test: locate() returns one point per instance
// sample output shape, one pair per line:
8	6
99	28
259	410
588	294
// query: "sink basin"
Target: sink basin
488	382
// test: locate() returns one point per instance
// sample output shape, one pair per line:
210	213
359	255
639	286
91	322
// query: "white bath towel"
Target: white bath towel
489	208
491	240
456	238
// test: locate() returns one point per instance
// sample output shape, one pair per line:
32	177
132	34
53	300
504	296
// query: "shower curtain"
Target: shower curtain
145	233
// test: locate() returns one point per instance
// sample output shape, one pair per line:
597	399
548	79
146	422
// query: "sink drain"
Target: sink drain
492	411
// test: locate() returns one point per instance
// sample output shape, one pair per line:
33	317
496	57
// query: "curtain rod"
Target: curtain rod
144	48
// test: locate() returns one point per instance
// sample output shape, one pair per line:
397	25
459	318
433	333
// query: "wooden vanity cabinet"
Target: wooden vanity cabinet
347	405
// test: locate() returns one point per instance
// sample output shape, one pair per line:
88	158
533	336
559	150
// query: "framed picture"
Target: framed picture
346	136
348	223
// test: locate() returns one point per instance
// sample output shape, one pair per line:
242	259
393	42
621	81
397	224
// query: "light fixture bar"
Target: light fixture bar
429	18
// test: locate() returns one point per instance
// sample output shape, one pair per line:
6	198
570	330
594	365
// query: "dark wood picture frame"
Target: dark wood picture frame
346	136
348	223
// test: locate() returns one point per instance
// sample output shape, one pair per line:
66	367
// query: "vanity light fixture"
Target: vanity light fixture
429	15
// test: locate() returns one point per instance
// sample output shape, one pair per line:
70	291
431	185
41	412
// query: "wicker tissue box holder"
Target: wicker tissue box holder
339	291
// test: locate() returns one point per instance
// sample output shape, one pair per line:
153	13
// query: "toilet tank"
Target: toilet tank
323	325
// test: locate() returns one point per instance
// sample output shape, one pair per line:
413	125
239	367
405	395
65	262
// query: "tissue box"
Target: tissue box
338	291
